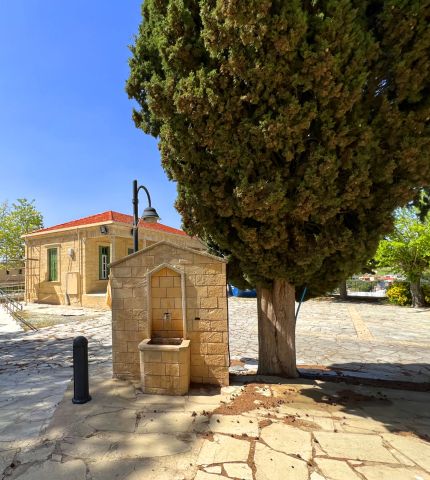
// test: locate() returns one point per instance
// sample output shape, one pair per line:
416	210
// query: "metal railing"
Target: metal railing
14	308
16	289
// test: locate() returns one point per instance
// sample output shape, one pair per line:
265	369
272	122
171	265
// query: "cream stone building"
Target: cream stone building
69	263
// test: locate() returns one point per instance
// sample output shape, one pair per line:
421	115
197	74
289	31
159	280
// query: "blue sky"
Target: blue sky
66	135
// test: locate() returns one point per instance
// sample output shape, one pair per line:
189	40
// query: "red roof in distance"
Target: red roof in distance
111	216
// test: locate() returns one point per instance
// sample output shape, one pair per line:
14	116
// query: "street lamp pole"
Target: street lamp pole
149	214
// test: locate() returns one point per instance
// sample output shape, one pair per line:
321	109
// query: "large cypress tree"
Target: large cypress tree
293	128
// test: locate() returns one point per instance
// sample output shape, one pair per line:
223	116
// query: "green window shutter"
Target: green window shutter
49	265
104	260
52	264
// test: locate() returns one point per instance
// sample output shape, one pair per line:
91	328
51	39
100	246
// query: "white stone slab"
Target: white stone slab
288	439
354	446
233	425
223	449
165	422
336	469
413	448
273	465
238	470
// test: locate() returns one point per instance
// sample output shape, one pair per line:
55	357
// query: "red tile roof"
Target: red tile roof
110	216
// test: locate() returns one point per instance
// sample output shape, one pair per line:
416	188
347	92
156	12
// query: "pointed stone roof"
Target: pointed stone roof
170	244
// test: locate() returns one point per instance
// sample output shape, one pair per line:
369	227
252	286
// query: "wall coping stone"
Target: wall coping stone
170	244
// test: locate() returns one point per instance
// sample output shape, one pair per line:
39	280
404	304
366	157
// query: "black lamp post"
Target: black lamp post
149	214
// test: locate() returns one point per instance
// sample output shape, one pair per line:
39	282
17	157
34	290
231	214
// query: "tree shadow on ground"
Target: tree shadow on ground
122	431
21	350
412	376
396	409
351	298
35	368
353	407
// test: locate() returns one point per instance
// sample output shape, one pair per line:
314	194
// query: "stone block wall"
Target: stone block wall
166	299
166	370
204	305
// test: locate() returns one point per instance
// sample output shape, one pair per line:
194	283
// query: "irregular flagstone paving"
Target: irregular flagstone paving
362	339
300	430
35	370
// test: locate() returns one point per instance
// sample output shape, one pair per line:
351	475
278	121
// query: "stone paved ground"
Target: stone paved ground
35	367
296	430
363	339
7	323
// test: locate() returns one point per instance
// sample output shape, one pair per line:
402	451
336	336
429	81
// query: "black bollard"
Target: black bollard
81	392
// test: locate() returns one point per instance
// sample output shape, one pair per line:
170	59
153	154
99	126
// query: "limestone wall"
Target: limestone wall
11	274
204	303
84	265
38	286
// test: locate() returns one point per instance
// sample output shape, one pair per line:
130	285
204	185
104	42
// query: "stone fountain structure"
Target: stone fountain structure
170	318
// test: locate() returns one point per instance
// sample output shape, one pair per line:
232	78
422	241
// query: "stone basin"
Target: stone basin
165	365
165	341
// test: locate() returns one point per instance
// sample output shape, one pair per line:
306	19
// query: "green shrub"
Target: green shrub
399	293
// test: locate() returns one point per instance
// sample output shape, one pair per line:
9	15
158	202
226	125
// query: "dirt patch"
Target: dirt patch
250	461
265	423
236	363
207	436
302	424
249	399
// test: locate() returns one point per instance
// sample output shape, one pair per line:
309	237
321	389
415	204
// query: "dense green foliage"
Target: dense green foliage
407	249
422	203
21	218
293	128
399	293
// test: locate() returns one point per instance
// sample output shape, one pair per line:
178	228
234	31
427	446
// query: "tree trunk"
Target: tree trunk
343	292
418	299
277	330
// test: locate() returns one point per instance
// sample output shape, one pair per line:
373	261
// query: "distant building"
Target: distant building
10	274
69	263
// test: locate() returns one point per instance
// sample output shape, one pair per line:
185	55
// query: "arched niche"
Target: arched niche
166	302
